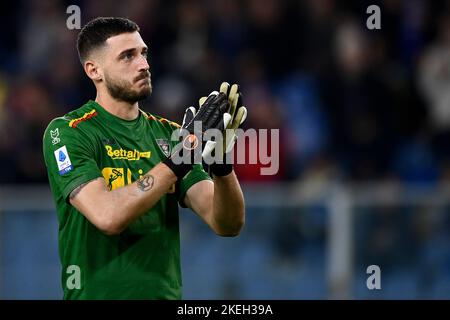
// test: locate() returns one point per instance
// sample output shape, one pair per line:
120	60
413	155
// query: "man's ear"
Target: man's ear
93	70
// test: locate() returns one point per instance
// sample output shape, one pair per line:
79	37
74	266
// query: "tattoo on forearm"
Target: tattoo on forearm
146	182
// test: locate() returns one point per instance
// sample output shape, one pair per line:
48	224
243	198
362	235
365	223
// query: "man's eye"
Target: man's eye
128	56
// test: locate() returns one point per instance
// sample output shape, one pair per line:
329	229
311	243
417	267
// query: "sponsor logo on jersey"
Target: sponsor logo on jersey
88	115
126	154
55	136
63	160
164	145
116	178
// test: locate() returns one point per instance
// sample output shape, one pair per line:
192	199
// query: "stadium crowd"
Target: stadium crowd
351	103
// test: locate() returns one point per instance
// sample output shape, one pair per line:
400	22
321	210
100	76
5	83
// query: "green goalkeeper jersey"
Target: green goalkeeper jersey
142	262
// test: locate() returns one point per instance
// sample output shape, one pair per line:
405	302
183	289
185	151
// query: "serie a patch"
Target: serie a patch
63	160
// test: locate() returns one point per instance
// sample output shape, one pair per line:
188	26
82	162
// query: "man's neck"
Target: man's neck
121	109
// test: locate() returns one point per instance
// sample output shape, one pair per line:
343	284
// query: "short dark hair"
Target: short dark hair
97	31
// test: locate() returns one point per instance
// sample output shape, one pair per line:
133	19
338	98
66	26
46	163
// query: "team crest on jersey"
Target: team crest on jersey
164	145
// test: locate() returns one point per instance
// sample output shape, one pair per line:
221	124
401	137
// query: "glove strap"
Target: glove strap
221	169
189	144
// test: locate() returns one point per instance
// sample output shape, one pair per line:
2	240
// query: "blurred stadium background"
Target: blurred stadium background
364	119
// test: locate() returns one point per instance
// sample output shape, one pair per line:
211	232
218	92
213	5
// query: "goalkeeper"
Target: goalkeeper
114	176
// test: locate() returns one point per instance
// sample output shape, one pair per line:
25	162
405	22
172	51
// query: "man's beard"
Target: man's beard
121	90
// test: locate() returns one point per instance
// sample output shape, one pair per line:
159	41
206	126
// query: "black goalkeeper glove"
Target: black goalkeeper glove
238	115
212	114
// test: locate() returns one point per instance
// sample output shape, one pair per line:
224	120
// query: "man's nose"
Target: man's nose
143	64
